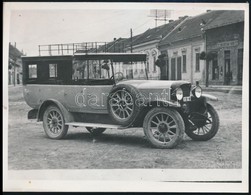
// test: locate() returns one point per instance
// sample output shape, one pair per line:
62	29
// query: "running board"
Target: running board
95	125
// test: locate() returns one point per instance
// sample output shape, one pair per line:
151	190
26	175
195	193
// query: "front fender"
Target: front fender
210	97
68	117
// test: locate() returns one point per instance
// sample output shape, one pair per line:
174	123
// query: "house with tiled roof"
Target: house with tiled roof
117	45
148	41
184	45
15	65
224	47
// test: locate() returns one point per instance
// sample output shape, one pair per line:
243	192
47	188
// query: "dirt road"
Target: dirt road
28	147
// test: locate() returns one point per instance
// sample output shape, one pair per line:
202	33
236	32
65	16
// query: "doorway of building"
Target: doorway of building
240	66
227	70
179	68
173	69
215	67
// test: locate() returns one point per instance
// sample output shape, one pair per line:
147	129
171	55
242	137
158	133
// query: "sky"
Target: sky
30	28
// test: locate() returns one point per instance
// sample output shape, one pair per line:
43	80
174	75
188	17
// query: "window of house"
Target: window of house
173	68
184	63
228	72
32	71
147	64
154	65
240	65
53	70
197	62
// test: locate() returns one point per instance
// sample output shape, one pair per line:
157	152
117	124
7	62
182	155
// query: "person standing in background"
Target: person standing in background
162	64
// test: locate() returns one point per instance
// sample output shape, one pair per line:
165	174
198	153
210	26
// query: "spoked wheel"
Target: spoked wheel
208	129
54	124
122	104
163	127
95	131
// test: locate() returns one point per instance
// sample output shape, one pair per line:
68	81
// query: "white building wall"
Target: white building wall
189	49
152	55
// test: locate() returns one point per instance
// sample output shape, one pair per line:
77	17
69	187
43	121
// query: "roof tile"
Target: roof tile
226	18
157	33
191	27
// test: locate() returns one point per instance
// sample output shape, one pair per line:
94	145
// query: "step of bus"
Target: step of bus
94	125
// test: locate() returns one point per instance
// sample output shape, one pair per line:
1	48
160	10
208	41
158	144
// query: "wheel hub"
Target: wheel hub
54	122
122	104
163	128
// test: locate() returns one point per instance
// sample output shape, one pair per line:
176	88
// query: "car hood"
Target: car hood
154	84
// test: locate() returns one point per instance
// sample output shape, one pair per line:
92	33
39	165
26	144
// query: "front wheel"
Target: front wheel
207	130
54	124
164	127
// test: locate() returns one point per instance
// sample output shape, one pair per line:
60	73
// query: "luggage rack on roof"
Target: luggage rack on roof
85	47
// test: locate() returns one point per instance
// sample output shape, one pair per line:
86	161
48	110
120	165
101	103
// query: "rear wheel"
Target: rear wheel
54	124
163	127
95	131
208	129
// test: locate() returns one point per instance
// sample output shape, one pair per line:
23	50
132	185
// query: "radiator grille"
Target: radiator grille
186	89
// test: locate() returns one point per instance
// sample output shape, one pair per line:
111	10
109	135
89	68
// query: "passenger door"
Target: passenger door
87	98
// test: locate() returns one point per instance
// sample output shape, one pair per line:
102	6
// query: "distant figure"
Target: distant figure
105	66
229	77
161	63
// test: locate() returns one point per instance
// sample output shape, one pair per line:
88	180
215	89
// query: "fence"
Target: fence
85	47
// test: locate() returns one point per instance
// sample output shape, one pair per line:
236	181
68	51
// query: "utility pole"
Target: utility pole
156	18
131	39
207	62
165	17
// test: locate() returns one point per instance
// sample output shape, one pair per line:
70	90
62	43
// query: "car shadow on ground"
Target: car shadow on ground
130	140
122	139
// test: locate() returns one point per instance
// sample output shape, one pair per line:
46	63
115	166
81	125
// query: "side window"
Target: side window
32	71
91	69
184	60
79	69
52	70
100	69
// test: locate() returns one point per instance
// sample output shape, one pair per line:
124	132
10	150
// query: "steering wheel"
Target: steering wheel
119	77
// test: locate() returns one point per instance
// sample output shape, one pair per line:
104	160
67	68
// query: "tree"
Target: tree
207	56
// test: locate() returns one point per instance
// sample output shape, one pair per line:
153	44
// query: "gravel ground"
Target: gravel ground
28	147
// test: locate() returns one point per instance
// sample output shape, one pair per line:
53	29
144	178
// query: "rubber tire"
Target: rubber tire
178	120
133	92
212	132
95	132
63	133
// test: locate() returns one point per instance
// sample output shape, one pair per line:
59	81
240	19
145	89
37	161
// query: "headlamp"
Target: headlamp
179	94
197	92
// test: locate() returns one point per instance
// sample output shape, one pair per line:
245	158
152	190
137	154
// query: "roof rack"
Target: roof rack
85	47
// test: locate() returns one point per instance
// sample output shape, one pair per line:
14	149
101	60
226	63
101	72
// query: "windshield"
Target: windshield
107	69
